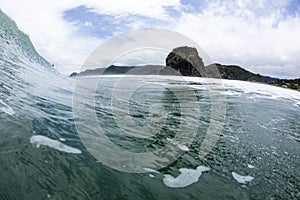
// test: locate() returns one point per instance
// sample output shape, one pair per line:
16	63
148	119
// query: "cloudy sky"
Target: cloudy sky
261	36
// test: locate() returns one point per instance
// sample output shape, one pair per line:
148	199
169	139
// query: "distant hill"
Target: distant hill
234	72
107	71
130	70
269	79
185	61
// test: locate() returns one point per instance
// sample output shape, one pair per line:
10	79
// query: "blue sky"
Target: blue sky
293	8
105	25
260	35
90	22
100	25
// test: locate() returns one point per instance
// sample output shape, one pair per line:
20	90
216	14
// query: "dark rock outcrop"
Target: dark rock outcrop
73	74
186	61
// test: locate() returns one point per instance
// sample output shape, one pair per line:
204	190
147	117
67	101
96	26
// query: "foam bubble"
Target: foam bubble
183	147
39	140
242	179
186	178
250	166
151	176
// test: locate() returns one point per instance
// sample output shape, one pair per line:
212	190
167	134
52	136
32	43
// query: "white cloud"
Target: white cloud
53	37
258	36
234	35
142	57
88	24
153	8
59	41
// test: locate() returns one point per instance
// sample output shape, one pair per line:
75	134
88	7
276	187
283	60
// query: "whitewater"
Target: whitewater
42	155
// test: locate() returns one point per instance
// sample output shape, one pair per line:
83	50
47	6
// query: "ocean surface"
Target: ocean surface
45	155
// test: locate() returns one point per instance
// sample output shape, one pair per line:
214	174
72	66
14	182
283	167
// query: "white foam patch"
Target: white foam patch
242	179
231	93
39	140
186	178
250	166
6	108
151	176
180	146
183	147
199	87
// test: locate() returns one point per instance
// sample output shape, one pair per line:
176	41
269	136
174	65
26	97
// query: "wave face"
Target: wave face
34	100
42	156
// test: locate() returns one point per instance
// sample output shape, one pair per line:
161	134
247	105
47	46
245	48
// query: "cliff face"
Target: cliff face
186	61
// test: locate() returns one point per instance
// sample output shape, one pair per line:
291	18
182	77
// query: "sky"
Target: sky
261	36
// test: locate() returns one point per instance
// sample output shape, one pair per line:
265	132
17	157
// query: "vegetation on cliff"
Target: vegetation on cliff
286	83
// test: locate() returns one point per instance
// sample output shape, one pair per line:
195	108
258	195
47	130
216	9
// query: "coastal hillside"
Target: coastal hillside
234	72
185	61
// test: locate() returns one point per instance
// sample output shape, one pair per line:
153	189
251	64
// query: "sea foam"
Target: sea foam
186	178
259	90
180	146
242	179
39	140
250	166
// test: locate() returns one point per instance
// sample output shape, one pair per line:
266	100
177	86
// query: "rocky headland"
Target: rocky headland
185	61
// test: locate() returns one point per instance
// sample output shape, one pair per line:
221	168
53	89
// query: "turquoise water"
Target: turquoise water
43	155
